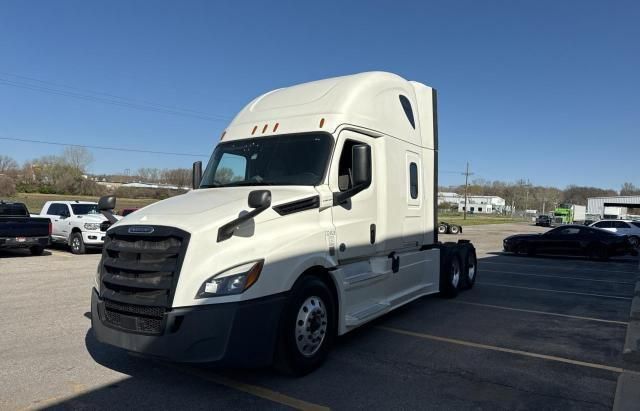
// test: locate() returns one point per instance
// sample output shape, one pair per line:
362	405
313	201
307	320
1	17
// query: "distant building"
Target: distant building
612	207
449	198
483	204
475	204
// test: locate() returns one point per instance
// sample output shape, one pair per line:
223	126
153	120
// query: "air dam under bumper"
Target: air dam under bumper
237	334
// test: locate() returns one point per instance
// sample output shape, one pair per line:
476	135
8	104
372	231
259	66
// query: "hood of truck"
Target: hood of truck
90	218
204	209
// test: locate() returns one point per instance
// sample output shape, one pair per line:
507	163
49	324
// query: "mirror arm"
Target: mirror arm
109	215
342	196
225	232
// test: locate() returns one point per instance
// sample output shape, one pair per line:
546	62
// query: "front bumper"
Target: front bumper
237	334
93	238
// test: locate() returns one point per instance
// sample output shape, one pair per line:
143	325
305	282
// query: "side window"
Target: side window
413	180
570	231
408	111
620	224
56	209
345	165
231	168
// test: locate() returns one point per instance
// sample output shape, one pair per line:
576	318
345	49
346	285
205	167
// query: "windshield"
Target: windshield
80	209
294	159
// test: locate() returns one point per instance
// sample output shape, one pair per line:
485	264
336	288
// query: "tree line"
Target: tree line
67	173
525	196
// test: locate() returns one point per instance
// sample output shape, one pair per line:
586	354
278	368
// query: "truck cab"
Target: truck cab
78	224
314	215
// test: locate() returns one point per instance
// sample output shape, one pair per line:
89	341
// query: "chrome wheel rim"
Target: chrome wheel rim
472	268
455	278
311	326
75	244
634	242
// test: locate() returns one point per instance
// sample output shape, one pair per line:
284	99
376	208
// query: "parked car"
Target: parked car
571	240
626	227
448	228
76	223
19	230
543	221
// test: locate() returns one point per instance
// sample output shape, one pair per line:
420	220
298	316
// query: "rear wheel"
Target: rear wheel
451	277
454	229
77	244
634	241
307	327
442	229
470	270
36	250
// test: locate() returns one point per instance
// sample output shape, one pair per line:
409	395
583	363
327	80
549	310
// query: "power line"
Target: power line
131	150
113	100
110	95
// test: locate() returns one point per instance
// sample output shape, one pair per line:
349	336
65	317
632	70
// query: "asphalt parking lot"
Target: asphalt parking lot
534	333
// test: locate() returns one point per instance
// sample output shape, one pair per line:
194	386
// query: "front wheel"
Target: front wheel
634	241
77	244
307	327
442	229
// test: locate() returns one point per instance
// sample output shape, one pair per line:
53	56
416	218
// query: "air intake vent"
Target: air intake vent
298	205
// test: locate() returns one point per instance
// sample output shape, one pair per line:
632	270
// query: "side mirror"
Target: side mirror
196	175
259	199
361	158
106	204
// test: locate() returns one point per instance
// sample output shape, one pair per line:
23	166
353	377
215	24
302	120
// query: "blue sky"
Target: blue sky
544	90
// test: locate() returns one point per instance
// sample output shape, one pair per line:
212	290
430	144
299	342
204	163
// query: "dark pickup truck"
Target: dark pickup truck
19	230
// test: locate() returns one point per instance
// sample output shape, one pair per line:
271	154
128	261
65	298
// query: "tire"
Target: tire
307	327
451	277
36	250
454	229
634	241
442	229
77	244
470	271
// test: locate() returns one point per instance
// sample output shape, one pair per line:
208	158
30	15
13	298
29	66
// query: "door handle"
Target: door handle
372	233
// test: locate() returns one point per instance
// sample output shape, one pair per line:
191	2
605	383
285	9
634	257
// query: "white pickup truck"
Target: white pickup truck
76	223
315	215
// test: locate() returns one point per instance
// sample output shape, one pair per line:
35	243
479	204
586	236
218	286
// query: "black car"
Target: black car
543	220
571	240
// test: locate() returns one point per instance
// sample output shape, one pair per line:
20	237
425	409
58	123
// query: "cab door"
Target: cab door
355	220
58	213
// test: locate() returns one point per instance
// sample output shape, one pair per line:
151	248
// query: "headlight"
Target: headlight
91	226
233	281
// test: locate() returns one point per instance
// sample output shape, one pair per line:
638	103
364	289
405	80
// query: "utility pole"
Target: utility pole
466	185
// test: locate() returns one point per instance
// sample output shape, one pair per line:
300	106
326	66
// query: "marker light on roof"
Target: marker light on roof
264	128
321	122
275	127
254	130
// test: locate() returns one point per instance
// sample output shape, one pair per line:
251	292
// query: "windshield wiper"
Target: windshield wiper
247	183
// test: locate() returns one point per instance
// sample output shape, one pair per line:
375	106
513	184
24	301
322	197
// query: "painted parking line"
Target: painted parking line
254	390
557	267
558	276
502	349
556	291
575	317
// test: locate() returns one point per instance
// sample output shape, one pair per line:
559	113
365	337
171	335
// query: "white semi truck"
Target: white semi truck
314	215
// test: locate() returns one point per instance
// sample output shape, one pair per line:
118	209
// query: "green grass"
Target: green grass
35	201
478	219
